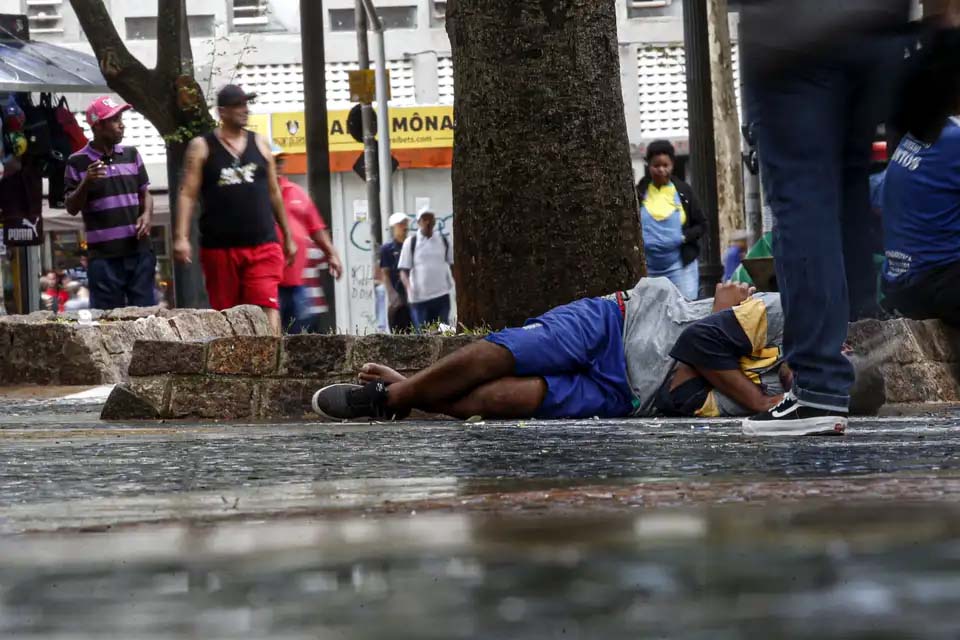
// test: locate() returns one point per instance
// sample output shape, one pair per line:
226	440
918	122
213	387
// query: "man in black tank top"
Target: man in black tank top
234	173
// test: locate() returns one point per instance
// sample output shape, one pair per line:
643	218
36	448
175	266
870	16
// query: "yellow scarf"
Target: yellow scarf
662	203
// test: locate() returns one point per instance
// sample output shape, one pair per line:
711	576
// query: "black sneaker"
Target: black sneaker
790	418
350	401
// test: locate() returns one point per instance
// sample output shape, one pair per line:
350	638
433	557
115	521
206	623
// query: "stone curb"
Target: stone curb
57	350
249	377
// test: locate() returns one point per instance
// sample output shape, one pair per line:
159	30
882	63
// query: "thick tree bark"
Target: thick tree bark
543	192
726	122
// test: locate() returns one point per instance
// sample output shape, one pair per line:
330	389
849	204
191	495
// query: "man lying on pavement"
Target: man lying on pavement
643	352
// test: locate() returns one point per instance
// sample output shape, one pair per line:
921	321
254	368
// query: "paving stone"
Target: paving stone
214	324
248	320
403	353
154	357
126	404
315	355
153	389
39	353
938	342
243	355
189	327
287	398
922	382
212	397
131	313
85	360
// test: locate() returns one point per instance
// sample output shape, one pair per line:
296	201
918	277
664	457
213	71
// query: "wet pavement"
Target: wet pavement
658	529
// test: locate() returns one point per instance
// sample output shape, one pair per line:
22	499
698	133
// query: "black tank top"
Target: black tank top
236	197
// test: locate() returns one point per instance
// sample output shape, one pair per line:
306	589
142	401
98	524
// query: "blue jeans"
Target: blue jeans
815	123
294	310
122	282
435	310
686	278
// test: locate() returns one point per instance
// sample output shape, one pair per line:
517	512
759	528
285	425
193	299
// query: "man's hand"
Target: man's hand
144	225
396	302
731	294
290	250
183	251
95	171
336	267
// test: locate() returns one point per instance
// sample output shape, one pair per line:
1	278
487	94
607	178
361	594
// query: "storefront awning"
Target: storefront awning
58	220
28	66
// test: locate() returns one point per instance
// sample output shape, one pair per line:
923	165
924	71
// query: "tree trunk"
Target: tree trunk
546	210
726	122
189	289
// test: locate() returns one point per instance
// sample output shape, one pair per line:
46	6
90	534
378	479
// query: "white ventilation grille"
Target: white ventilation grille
281	85
663	90
445	79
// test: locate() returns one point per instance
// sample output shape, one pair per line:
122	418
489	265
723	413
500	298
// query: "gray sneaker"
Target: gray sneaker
352	401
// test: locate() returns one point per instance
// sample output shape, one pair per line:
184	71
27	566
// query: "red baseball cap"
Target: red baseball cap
104	108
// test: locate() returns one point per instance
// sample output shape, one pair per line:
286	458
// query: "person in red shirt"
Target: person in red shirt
306	227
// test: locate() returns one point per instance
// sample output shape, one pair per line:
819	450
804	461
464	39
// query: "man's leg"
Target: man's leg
260	277
417	315
934	295
453	377
142	274
442	309
504	398
106	284
221	273
578	340
400	319
802	139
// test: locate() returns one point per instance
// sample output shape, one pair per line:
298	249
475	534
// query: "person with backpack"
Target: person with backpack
425	271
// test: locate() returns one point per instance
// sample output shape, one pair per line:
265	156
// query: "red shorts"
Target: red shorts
243	275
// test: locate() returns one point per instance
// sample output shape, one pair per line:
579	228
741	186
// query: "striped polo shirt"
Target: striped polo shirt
113	202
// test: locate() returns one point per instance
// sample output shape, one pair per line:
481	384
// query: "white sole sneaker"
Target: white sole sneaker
315	405
819	426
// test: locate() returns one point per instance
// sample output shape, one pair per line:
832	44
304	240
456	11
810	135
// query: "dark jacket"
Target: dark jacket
696	224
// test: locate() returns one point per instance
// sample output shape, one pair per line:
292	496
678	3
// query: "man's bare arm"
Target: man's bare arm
145	219
325	242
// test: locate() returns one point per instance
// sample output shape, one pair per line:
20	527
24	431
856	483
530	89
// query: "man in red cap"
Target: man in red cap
108	184
233	171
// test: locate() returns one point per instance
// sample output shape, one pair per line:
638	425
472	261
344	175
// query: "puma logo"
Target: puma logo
32	226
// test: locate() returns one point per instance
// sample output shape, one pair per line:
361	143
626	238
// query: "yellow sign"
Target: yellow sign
290	131
410	128
363	85
259	123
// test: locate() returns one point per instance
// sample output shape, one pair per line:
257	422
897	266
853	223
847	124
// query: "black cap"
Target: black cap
233	96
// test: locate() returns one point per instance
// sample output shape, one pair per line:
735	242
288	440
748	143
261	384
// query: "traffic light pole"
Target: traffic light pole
369	139
383	112
703	149
318	142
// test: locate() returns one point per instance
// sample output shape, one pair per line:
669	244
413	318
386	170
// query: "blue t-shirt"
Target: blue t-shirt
921	205
390	259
